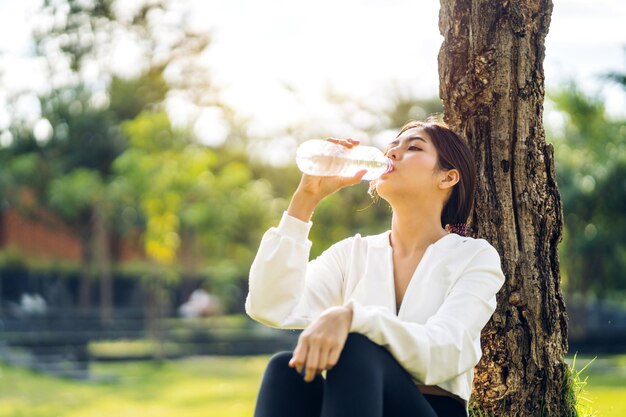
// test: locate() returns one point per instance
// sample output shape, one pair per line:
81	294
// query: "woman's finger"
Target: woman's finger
312	363
356	178
349	143
299	356
333	358
323	359
359	175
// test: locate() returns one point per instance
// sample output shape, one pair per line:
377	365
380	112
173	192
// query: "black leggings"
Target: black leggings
367	381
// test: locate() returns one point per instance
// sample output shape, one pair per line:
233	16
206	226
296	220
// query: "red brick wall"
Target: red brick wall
41	236
45	236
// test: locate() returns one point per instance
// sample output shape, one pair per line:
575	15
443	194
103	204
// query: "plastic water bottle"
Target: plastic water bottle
323	158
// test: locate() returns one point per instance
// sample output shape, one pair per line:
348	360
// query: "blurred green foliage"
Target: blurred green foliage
108	160
590	153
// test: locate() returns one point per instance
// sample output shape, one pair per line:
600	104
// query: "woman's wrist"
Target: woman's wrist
302	205
348	314
342	315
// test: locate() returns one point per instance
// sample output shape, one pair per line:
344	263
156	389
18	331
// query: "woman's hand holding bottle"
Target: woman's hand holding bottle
313	189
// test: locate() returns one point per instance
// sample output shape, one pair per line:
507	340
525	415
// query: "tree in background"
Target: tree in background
591	166
492	86
105	156
202	208
70	159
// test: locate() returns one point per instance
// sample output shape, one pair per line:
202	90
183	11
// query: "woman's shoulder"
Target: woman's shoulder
476	243
474	250
455	249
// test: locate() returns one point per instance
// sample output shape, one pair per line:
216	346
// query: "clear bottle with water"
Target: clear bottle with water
324	158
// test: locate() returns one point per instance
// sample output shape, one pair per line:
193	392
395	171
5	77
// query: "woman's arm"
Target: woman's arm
285	289
448	344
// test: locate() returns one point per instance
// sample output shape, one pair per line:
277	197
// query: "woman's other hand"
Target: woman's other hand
320	344
312	189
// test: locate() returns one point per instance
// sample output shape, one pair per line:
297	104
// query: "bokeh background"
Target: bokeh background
145	146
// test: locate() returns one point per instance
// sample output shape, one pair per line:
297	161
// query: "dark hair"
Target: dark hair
453	152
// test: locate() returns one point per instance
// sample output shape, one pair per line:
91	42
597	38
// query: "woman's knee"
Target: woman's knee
356	342
279	362
358	352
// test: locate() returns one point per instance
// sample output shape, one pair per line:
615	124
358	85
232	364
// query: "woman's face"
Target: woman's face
414	171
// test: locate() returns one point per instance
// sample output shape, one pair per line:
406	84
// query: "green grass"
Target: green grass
605	390
210	386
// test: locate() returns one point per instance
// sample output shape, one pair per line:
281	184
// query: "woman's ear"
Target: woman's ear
449	178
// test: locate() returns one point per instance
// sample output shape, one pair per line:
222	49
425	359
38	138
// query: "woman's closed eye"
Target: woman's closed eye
410	148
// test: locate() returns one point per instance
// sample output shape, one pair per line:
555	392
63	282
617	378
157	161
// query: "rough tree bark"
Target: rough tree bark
492	87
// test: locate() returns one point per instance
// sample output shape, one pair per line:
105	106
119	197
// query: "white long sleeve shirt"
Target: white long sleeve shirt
436	334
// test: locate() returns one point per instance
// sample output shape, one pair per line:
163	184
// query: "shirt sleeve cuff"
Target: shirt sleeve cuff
293	227
360	317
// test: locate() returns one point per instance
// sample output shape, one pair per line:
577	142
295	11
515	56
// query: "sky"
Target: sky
274	59
361	46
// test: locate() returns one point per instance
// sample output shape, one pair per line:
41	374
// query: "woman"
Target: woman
394	319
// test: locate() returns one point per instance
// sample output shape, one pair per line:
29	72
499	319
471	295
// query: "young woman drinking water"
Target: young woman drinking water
393	319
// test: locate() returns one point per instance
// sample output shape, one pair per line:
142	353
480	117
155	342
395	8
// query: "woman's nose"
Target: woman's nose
393	153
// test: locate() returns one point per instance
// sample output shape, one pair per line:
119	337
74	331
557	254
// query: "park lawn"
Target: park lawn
606	385
607	401
207	386
194	387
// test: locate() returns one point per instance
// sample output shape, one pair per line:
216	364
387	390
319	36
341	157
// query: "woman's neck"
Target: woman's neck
413	229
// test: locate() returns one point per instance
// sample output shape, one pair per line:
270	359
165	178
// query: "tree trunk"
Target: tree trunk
154	306
492	87
102	256
84	293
